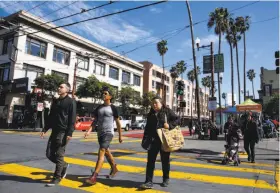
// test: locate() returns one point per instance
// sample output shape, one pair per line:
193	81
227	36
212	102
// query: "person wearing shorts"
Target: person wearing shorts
104	116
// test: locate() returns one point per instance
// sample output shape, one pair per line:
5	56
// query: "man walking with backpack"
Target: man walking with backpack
104	116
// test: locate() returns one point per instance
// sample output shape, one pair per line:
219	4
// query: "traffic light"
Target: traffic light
277	61
182	104
180	87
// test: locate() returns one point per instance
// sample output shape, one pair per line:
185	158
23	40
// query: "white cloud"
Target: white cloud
113	29
179	50
155	10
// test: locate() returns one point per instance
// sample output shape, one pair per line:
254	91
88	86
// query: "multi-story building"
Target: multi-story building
153	82
269	84
56	51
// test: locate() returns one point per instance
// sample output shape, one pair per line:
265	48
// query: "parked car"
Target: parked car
83	123
125	124
140	124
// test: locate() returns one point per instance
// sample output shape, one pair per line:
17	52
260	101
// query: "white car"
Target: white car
140	124
125	124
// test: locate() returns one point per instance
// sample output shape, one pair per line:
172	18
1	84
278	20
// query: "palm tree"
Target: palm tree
194	60
191	77
236	38
251	75
224	96
181	67
230	39
174	75
244	25
162	49
220	19
206	82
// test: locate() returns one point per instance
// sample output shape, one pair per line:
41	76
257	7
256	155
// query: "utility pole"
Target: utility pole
74	80
212	77
194	62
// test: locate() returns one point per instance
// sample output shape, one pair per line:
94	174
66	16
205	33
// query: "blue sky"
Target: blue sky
150	23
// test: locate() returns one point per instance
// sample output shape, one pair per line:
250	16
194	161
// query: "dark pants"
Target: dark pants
249	146
55	152
152	155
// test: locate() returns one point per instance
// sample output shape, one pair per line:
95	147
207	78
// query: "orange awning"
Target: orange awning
249	105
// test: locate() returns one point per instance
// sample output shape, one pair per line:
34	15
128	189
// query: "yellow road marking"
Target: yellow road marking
192	157
205	166
183	175
276	177
126	141
76	183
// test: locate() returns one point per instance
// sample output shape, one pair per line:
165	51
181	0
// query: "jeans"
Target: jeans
152	155
249	146
55	152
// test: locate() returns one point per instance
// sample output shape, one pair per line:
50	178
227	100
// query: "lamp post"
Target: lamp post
197	41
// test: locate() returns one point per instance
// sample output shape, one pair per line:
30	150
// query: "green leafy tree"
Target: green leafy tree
181	67
146	102
272	107
128	96
49	82
162	49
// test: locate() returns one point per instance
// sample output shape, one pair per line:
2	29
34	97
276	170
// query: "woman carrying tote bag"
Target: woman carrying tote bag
157	119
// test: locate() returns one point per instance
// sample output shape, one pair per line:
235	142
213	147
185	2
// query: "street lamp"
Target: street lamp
197	41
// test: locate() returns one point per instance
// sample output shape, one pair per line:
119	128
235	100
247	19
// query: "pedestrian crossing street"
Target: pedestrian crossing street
132	165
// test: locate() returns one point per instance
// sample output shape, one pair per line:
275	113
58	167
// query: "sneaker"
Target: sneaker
64	171
113	172
147	185
249	158
253	161
165	183
92	179
55	181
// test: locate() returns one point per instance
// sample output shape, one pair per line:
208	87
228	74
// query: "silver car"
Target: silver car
140	124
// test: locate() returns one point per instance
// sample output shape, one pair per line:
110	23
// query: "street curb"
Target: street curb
268	149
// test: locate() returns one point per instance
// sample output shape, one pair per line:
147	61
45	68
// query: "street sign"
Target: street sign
212	104
218	63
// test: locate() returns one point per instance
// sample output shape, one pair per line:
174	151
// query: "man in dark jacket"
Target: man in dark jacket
61	119
251	137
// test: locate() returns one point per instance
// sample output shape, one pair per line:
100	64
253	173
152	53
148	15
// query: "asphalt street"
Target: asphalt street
196	168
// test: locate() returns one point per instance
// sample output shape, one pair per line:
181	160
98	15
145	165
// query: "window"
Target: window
153	84
82	62
4	72
99	68
62	75
114	73
154	73
7	44
188	88
80	81
167	78
126	77
158	75
136	80
32	72
61	56
35	47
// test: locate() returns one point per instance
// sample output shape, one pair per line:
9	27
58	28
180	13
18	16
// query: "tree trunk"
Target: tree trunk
205	100
238	74
232	77
163	80
219	84
244	68
253	88
194	61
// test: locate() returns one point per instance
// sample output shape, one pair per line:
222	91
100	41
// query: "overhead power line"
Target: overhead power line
277	17
94	18
13	3
36	6
78	13
58	9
